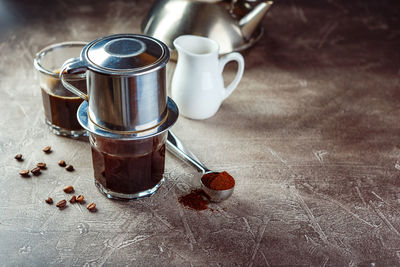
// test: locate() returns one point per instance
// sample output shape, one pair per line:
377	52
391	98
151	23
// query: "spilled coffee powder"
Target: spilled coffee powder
196	200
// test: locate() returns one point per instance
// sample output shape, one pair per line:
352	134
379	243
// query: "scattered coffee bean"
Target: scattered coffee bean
62	163
72	200
70	168
24	173
91	207
19	157
47	149
35	171
61	204
49	200
80	199
41	165
69	189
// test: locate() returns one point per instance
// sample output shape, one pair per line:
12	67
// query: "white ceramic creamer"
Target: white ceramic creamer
197	84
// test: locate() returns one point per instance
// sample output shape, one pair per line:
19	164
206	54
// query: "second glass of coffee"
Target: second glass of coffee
60	105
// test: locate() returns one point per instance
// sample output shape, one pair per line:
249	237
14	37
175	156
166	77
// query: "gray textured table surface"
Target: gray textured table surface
311	136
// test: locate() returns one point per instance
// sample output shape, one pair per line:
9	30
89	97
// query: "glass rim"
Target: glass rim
39	55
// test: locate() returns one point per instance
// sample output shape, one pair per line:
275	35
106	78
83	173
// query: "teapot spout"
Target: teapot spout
249	23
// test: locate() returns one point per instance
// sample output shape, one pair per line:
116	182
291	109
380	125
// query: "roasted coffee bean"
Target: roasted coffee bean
61	204
72	200
91	207
47	149
41	165
49	200
19	157
35	171
70	168
80	199
62	163
69	189
24	173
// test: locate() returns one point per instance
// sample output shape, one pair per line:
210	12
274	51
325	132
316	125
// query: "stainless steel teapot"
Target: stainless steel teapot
234	24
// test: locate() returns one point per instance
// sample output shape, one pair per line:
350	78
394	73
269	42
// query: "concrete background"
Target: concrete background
311	135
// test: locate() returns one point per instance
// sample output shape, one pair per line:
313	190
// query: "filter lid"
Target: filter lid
125	54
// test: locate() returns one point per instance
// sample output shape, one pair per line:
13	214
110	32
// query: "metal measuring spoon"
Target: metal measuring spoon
176	147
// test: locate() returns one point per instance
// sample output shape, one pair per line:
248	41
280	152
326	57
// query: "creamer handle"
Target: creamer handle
223	61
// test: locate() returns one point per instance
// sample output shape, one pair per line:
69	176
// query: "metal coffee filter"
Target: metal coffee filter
126	78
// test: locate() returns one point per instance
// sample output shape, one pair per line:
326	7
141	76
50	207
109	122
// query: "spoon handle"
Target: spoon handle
176	147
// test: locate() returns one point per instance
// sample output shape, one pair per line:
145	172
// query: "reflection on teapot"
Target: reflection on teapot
234	24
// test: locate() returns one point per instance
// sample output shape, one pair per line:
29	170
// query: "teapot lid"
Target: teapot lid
125	54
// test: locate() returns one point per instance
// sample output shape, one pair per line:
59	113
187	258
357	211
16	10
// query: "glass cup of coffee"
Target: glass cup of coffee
60	105
128	169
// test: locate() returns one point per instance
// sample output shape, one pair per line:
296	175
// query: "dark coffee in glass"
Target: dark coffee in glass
60	105
128	169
